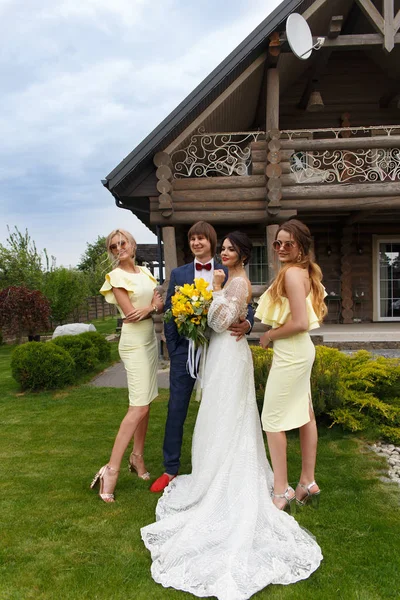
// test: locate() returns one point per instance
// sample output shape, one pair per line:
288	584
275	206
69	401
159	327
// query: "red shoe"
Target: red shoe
161	483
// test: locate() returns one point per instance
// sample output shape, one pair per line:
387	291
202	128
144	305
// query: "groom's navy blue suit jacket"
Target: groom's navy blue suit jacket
179	276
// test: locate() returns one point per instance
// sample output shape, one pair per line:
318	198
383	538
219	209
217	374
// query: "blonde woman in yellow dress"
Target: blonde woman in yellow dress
132	289
292	306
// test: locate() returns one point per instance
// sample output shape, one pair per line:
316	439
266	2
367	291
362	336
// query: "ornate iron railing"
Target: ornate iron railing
215	154
364	165
346	166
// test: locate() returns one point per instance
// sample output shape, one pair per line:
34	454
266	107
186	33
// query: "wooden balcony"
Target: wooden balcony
244	177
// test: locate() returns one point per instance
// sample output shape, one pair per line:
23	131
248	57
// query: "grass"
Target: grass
59	541
106	325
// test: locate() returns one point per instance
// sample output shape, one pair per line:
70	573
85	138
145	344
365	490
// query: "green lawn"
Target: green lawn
59	541
106	325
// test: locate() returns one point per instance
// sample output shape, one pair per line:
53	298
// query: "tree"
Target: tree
95	264
20	262
93	253
67	290
23	311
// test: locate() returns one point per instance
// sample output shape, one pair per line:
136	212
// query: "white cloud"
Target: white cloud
83	82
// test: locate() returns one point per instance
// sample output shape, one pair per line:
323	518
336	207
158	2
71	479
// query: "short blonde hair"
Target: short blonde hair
122	233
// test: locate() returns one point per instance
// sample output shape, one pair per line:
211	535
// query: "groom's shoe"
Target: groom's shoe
161	483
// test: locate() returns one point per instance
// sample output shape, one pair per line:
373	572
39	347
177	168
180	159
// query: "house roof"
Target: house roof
140	159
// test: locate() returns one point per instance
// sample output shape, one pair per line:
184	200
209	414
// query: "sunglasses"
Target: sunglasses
277	244
121	244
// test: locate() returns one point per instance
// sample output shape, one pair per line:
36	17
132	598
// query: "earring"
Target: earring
299	257
242	265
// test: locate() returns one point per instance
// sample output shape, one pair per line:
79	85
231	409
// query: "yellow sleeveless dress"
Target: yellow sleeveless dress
287	398
138	343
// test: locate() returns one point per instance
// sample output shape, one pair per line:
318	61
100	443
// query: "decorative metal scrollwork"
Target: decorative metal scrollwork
346	166
215	154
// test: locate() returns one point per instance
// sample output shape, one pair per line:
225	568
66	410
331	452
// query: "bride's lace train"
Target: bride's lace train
217	531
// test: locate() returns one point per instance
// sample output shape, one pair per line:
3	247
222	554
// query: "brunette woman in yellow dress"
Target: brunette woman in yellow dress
132	289
292	306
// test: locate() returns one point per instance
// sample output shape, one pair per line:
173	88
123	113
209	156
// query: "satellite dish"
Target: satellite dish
299	37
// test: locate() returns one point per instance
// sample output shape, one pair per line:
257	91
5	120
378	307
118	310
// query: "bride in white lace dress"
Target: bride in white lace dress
217	531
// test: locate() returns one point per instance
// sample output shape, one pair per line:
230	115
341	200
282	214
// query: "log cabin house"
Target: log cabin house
267	136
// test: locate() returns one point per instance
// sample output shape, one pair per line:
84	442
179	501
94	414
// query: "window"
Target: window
258	266
388	280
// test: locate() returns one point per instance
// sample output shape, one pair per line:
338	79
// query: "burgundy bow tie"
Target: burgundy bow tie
199	267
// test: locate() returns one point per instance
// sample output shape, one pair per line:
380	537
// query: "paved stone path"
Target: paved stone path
115	376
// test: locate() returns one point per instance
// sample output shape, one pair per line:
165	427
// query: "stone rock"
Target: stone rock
73	329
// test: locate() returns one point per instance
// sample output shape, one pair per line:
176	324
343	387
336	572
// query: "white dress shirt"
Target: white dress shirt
204	274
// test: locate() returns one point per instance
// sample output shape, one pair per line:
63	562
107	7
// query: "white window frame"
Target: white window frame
377	240
259	244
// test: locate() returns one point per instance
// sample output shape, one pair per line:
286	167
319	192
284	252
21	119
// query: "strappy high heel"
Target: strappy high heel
290	505
99	478
312	497
133	468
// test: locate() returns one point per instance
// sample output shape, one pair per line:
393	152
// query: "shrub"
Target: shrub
262	360
99	342
350	390
325	379
42	366
23	311
84	353
66	290
362	378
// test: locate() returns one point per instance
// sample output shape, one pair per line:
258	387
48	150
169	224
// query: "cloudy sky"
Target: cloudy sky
83	82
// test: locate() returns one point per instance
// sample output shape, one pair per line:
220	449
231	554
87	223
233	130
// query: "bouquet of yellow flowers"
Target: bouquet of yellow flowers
189	308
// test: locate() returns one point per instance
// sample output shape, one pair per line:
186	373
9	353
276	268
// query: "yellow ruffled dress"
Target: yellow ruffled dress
138	342
287	399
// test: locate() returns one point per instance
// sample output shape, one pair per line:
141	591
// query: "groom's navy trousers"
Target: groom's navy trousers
180	382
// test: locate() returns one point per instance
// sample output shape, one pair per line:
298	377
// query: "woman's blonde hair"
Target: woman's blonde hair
122	233
305	260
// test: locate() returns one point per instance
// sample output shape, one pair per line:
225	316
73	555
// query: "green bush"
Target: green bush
325	379
262	360
99	342
41	366
358	391
84	353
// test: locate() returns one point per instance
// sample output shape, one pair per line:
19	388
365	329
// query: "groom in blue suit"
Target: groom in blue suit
203	243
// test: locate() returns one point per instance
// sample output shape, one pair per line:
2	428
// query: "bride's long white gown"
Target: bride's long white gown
217	531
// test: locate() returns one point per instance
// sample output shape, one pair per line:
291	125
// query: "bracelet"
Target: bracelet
270	340
155	309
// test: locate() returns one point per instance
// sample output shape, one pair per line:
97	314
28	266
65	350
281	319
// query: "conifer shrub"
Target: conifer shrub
99	342
262	360
42	366
84	353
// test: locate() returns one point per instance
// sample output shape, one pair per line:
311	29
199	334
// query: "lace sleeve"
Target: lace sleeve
227	305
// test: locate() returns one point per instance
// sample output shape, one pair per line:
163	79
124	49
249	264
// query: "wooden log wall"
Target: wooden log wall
328	247
215	199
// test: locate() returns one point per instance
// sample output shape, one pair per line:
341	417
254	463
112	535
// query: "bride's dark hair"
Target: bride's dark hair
242	244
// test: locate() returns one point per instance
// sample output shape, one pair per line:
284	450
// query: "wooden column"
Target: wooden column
346	274
271	254
170	257
273	168
272	114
